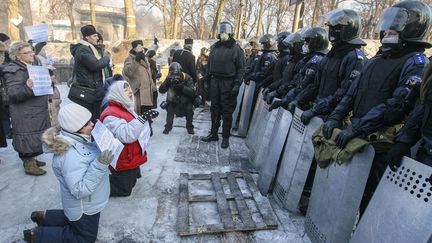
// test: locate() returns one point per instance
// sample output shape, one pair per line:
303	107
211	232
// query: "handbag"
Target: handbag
82	93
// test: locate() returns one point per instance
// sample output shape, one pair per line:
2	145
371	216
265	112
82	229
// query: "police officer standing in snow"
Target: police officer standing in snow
225	71
382	95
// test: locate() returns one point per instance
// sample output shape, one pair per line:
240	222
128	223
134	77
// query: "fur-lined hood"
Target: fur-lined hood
59	142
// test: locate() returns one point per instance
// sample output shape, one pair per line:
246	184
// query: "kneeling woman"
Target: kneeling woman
120	118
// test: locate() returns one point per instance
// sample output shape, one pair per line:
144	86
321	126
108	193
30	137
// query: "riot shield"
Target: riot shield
239	104
400	209
246	109
274	150
296	161
263	134
256	116
336	195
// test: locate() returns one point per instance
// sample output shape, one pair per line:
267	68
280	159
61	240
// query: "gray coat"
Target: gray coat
29	113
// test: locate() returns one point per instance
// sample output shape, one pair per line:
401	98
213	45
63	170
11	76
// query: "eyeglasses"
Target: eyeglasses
27	52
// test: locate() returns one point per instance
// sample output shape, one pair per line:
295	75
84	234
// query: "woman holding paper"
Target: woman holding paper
82	171
132	130
29	113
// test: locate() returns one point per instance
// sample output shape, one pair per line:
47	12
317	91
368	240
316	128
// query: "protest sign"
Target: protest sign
42	84
105	140
37	33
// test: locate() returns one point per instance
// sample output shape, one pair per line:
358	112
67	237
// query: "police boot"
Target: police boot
38	217
31	168
40	163
211	137
225	143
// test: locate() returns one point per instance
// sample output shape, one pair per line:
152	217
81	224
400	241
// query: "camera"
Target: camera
163	105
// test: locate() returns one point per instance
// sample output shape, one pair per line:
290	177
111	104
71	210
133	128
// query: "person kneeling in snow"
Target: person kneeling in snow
82	171
132	130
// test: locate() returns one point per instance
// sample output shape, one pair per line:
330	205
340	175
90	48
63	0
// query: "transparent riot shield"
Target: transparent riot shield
296	162
336	195
239	103
401	207
246	109
257	116
274	149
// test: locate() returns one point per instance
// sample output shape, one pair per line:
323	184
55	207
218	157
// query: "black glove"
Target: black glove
106	157
306	116
235	90
149	115
395	154
270	97
139	56
345	136
178	87
276	104
328	128
246	81
292	105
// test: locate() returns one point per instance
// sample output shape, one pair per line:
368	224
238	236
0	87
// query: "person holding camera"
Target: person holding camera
181	93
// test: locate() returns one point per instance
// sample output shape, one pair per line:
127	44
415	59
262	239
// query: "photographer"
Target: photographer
180	96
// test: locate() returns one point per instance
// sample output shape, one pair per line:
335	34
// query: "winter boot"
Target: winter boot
38	217
225	143
29	235
210	137
166	130
39	163
31	168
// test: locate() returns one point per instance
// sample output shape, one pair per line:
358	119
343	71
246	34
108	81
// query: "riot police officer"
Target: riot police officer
340	66
265	64
382	95
225	68
281	60
315	47
293	65
252	59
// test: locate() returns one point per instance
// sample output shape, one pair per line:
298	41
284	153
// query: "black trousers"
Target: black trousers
171	111
122	182
223	104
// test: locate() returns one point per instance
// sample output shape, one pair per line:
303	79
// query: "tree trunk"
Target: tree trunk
72	23
13	9
297	16
218	17
130	19
93	12
165	21
239	19
202	20
315	13
174	20
261	11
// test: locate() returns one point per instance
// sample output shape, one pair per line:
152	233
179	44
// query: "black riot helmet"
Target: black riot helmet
280	45
317	39
344	26
268	42
175	69
294	42
225	27
411	19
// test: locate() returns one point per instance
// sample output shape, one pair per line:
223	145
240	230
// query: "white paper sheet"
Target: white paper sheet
144	137
37	33
105	140
42	84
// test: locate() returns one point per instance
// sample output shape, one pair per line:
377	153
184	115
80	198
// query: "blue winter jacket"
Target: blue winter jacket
84	181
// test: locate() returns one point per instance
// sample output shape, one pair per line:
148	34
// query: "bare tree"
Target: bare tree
218	17
130	19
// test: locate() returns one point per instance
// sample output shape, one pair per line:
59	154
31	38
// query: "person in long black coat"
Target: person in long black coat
186	59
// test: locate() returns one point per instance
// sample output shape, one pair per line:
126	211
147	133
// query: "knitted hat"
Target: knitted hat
188	41
87	30
72	117
135	43
39	46
4	37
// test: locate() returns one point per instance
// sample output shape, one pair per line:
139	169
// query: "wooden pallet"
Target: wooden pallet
235	209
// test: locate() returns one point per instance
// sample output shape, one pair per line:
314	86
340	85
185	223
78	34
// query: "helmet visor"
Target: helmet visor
338	17
393	18
225	28
292	38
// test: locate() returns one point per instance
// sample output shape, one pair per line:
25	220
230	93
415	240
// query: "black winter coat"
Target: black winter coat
88	69
187	61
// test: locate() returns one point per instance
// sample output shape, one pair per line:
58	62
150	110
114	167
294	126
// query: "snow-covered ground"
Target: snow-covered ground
148	215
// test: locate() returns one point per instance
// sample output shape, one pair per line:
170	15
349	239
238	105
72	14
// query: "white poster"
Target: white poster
105	140
42	84
37	33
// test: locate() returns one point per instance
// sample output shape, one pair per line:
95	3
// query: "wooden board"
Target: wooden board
240	206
